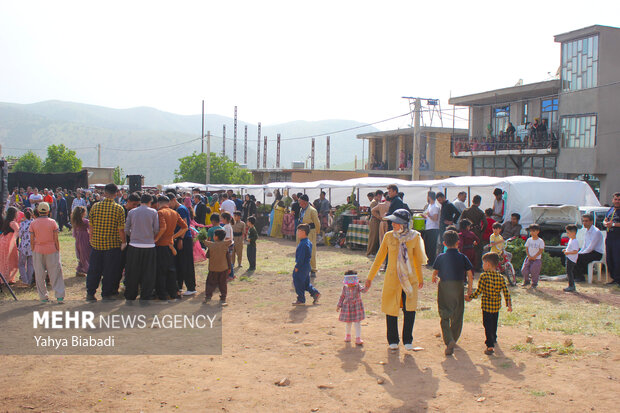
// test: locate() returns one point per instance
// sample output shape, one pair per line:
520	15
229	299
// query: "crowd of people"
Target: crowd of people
150	241
534	136
147	241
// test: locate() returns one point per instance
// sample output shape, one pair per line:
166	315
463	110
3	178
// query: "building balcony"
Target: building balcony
542	144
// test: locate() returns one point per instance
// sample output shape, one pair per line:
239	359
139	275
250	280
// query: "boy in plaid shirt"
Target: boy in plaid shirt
491	285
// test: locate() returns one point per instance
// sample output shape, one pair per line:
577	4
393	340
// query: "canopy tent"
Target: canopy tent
521	191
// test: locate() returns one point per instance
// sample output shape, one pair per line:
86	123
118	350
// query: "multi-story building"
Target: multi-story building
390	153
577	118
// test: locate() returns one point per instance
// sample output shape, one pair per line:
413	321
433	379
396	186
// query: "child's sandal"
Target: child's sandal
347	338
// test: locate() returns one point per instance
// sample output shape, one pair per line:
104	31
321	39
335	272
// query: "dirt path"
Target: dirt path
265	340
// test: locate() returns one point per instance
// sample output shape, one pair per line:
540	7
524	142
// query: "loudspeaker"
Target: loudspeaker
4	182
135	183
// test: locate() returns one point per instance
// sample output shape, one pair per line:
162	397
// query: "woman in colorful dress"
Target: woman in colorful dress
82	242
9	261
26	263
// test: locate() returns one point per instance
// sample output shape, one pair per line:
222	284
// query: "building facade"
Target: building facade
390	153
562	128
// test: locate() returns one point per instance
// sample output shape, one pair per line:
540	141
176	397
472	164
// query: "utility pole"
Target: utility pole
223	140
278	153
98	155
208	180
415	168
312	156
327	155
202	149
245	147
265	154
258	149
235	138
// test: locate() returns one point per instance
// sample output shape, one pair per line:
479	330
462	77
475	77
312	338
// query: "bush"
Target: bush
517	249
552	265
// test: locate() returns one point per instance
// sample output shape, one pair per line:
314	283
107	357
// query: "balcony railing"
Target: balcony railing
538	142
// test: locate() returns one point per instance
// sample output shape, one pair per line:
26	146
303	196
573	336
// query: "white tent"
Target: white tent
521	191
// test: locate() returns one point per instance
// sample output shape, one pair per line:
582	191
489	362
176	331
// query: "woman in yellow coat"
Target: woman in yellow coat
404	249
278	218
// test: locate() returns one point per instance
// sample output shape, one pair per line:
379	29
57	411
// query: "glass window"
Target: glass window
550	105
501	116
578	131
500	162
477	162
488	163
580	64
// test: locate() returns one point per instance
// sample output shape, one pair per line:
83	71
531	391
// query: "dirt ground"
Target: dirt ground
266	340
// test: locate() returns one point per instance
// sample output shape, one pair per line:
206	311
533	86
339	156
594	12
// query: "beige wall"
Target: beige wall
444	161
319	175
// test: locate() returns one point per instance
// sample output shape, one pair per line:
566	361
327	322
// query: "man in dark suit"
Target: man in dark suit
62	213
200	210
479	224
449	213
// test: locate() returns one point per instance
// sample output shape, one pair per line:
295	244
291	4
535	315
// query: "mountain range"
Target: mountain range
149	142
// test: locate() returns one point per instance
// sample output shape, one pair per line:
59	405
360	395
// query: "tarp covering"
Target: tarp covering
521	191
68	180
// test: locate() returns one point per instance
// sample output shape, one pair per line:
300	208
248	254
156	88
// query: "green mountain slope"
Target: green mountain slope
148	141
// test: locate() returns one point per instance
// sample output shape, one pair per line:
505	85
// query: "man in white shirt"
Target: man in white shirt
592	249
431	230
35	198
459	202
228	205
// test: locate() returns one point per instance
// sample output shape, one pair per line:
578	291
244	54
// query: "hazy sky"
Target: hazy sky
280	61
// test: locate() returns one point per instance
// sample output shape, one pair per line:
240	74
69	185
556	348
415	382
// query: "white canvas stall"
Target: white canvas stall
521	192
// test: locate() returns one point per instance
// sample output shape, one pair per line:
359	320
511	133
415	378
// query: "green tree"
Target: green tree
28	162
193	168
61	159
119	176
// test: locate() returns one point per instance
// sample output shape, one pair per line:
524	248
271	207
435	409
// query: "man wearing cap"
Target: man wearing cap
404	249
46	253
308	215
107	237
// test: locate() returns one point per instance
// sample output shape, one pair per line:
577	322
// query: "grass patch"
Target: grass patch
560	349
538	393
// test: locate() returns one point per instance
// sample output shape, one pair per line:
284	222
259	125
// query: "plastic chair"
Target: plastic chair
599	271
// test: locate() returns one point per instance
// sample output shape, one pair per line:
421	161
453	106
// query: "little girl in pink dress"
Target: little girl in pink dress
351	306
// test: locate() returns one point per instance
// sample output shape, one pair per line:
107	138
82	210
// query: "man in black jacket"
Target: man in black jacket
295	208
449	213
200	210
395	202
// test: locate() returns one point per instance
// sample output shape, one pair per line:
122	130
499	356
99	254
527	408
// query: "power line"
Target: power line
153	149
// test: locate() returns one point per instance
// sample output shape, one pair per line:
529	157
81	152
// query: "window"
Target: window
549	110
501	116
549	105
580	64
578	131
525	113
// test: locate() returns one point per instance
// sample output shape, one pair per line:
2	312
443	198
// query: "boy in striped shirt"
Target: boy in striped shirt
491	285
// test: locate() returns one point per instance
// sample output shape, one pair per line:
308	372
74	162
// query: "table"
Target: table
357	235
